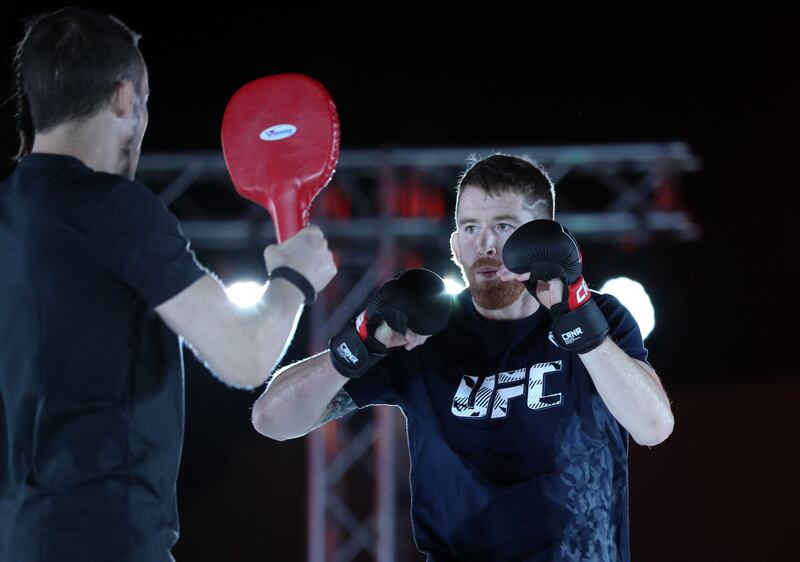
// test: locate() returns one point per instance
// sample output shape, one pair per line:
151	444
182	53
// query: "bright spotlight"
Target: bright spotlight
452	286
635	298
245	293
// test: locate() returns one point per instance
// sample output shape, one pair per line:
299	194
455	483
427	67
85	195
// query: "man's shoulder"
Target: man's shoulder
113	184
607	302
119	198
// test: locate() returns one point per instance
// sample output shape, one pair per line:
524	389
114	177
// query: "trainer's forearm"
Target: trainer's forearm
273	325
296	398
258	337
241	346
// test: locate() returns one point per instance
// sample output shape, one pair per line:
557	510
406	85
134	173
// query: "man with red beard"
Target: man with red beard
518	402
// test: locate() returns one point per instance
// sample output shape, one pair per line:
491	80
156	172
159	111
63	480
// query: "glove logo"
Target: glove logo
582	293
345	353
361	325
572	336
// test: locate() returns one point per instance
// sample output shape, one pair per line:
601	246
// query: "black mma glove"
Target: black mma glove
414	299
547	250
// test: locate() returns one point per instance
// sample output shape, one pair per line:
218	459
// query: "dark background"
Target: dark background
723	487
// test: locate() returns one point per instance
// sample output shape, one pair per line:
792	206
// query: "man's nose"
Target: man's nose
487	243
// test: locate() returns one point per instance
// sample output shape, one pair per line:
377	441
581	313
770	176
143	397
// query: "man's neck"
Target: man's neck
524	306
85	143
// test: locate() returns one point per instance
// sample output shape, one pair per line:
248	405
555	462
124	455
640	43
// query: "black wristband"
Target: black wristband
296	279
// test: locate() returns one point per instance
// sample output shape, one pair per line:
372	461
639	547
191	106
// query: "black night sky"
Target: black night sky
420	75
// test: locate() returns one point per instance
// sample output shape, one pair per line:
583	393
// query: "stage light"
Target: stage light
452	286
245	293
632	294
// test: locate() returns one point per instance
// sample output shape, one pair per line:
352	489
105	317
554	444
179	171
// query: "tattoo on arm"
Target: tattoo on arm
340	405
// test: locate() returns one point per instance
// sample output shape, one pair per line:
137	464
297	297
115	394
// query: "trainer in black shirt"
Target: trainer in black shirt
97	283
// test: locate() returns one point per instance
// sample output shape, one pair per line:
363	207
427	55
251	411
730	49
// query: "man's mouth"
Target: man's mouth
486	273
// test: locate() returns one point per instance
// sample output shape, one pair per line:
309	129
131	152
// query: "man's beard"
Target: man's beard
491	294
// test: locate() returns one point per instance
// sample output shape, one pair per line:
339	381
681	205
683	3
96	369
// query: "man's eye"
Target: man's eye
504	227
470	228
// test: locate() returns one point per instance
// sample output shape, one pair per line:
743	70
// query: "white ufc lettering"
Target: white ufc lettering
472	397
537	400
475	394
506	393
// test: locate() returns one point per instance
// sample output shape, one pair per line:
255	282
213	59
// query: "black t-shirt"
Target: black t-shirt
91	380
514	455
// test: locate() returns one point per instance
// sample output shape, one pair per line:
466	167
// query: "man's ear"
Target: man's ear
122	98
454	247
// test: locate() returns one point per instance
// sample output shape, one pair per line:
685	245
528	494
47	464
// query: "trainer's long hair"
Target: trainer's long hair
501	173
67	66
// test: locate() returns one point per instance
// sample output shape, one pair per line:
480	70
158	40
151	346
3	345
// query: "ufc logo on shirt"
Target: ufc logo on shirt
492	396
